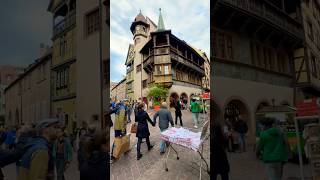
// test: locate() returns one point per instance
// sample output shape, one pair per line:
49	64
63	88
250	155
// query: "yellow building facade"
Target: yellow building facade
63	66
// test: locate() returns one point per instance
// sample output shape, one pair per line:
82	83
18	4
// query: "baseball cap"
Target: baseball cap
46	123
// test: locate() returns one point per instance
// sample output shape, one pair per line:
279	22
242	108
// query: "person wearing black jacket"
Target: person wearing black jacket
242	128
219	156
143	130
177	107
96	164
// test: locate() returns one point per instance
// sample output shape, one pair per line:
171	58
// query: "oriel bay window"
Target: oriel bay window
163	69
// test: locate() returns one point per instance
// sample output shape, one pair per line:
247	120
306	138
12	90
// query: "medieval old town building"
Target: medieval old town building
264	53
159	57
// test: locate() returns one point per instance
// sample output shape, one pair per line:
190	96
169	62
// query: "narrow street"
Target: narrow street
151	165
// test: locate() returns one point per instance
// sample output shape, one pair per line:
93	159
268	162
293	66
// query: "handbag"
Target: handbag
134	127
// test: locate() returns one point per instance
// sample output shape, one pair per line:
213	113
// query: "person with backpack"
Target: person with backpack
241	127
273	149
120	124
195	109
164	119
36	162
62	153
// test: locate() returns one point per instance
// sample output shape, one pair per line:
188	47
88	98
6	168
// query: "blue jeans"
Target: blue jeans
274	170
242	141
162	143
195	118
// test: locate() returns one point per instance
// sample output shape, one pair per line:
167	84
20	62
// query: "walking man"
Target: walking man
178	112
164	119
273	149
194	106
242	128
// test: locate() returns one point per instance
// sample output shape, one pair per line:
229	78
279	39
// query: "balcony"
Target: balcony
148	63
182	60
165	80
65	24
269	13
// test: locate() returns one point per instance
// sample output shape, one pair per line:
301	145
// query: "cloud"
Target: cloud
189	20
27	24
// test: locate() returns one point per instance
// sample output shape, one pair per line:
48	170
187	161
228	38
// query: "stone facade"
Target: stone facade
28	97
252	58
118	92
83	62
180	67
307	58
7	75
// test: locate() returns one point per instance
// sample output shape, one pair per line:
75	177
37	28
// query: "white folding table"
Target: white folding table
204	136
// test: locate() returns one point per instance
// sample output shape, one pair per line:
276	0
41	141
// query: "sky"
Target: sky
24	25
189	20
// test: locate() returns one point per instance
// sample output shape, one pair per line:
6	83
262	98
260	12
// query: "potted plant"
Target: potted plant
158	93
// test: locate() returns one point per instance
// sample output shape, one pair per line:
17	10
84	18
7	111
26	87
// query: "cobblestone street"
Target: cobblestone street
151	165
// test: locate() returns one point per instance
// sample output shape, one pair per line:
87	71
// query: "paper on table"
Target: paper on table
183	137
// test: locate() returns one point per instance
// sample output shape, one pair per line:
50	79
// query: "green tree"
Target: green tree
159	93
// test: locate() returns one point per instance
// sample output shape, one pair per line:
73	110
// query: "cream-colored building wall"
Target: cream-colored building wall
88	63
13	102
311	15
251	94
138	77
34	98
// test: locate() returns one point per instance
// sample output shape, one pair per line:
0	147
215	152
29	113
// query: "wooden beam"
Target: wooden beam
281	41
269	36
245	24
257	30
229	19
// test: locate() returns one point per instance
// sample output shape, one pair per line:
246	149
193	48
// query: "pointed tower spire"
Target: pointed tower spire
160	22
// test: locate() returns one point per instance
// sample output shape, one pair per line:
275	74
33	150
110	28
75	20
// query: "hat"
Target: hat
46	123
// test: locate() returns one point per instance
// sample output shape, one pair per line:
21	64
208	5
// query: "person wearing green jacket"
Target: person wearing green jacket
272	149
195	109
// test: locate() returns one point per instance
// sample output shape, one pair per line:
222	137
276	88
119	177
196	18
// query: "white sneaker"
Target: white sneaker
195	126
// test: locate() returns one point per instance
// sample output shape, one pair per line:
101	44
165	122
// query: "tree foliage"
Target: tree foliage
158	92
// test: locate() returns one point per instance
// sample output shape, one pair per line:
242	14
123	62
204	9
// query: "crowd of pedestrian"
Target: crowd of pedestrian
272	147
235	134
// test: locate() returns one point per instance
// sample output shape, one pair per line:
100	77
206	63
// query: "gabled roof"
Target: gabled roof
131	46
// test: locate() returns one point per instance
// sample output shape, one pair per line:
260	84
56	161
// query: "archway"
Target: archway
173	98
235	108
184	100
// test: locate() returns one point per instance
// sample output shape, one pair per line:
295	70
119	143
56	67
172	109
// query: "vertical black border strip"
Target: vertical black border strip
105	124
213	108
